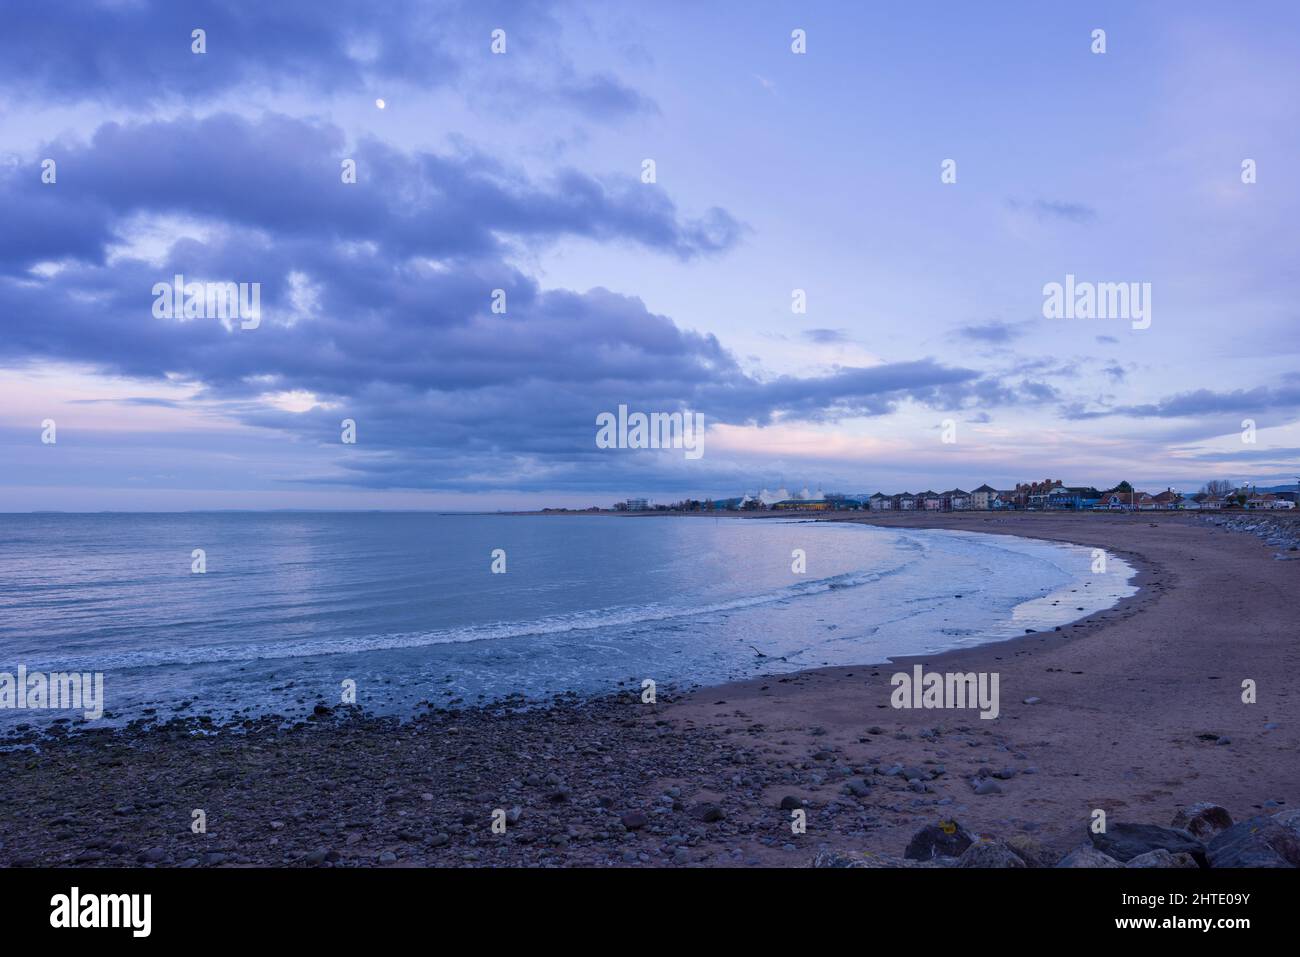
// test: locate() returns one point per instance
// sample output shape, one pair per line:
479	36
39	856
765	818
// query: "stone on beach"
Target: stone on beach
1124	841
989	854
708	813
634	820
945	839
1262	841
1085	855
1203	819
1162	858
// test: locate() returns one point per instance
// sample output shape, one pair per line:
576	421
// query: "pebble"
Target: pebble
634	820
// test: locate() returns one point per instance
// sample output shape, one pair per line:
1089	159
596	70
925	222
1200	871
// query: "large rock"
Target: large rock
1258	842
708	812
1204	820
827	858
989	854
1162	858
635	820
836	859
1031	851
1289	819
1085	855
1126	841
945	839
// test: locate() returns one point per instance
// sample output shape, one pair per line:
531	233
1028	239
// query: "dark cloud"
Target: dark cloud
1203	402
603	95
994	331
138	401
283	176
137	53
1053	209
1283	460
826	336
376	301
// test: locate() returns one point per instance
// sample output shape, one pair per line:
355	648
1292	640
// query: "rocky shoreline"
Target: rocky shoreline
581	783
1202	836
572	783
1279	531
1135	711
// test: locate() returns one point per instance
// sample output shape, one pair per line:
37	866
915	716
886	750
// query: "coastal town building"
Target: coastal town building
1168	499
1008	498
1047	495
983	497
955	500
1073	498
1036	493
801	504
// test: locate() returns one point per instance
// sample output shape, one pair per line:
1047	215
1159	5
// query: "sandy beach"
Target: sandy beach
1132	700
1137	711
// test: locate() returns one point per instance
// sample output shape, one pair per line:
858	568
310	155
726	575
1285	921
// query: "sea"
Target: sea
417	610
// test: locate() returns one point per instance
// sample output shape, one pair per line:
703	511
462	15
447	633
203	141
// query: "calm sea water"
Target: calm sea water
406	605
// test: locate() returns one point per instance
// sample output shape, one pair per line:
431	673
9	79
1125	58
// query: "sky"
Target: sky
916	177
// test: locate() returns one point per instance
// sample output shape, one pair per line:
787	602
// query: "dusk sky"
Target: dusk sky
775	171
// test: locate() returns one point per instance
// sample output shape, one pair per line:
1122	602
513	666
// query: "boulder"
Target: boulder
635	820
707	812
1203	820
1162	858
989	854
945	839
1031	851
827	858
1126	841
1258	842
1289	819
1085	855
836	859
